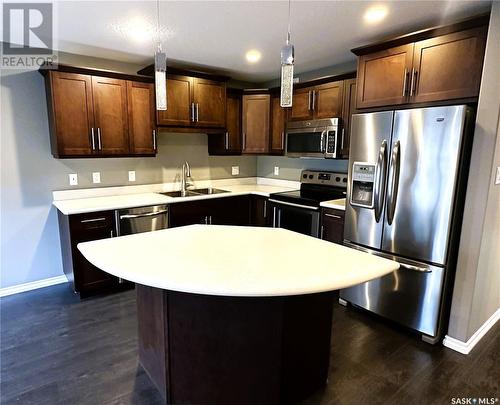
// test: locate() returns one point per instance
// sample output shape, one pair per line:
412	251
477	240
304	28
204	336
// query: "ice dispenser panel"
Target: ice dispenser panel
363	180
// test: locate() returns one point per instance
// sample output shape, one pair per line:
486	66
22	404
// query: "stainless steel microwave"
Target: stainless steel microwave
316	139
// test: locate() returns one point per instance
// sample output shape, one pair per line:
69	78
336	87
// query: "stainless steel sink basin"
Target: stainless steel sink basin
209	190
195	192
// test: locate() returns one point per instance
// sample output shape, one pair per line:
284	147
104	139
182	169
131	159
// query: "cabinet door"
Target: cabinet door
72	113
383	77
189	213
111	115
327	100
179	110
256	123
210	103
141	114
301	105
84	228
332	225
230	211
278	119
259	213
228	142
349	106
448	66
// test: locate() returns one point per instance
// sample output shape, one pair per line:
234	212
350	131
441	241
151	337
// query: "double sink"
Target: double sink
195	192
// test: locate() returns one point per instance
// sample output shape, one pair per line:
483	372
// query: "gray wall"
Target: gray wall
290	168
30	247
477	294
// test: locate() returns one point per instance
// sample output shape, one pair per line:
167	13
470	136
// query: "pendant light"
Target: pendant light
287	59
160	67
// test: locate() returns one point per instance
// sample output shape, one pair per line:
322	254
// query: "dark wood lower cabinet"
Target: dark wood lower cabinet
332	225
86	279
259	213
214	211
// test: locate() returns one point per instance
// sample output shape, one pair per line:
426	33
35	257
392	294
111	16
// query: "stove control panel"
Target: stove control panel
325	178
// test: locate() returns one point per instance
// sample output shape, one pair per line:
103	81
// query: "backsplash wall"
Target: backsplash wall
290	168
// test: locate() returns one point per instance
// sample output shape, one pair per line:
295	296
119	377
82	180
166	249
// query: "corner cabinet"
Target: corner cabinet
94	116
278	124
255	123
229	142
194	103
438	68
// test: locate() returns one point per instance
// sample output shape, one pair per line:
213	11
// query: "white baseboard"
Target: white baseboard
15	289
466	347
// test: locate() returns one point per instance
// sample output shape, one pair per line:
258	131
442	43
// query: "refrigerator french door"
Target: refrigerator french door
403	177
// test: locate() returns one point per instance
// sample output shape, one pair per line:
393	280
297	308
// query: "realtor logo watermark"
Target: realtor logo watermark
28	36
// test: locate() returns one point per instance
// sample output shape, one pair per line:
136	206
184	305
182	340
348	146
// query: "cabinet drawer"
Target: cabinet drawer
93	220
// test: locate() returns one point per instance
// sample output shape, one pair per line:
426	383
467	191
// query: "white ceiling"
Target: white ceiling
218	33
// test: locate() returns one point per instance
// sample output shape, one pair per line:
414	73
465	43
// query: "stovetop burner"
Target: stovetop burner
315	187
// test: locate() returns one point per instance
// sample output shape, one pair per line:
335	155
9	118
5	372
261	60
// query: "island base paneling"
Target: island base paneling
204	349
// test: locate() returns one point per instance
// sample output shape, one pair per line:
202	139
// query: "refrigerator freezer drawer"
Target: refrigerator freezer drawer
410	296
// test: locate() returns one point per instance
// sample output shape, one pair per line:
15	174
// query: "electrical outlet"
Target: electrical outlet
131	175
497	179
276	170
73	179
96	177
235	170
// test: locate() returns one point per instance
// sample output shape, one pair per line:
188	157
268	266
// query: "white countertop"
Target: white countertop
335	204
111	202
234	261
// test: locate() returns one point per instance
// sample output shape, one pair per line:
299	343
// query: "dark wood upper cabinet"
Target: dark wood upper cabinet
435	65
99	116
179	110
111	115
141	125
349	106
229	141
449	66
278	121
301	105
209	98
71	113
255	123
383	77
327	100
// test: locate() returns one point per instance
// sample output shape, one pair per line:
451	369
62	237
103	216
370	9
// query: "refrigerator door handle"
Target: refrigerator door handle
392	191
381	175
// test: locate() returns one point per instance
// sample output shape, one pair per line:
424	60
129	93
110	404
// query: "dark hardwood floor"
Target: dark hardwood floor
56	349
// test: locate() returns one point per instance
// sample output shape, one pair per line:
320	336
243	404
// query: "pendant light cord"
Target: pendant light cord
288	34
158	23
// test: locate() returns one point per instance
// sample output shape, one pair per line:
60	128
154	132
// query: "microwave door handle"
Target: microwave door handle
392	190
380	177
322	141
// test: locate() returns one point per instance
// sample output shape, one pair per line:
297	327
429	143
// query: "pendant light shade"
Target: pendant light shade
287	60
160	68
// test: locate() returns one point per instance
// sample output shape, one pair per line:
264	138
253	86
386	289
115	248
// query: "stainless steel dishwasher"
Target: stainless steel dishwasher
141	219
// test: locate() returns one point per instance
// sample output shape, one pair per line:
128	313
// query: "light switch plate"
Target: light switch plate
276	170
235	170
497	178
131	175
73	179
96	177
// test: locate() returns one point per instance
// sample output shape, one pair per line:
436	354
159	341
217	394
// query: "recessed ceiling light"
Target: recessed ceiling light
375	14
253	56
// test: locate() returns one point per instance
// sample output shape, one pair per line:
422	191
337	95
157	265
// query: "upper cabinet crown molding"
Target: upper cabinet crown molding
150	71
96	72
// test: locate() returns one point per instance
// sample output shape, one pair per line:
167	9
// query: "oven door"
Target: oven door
306	142
295	217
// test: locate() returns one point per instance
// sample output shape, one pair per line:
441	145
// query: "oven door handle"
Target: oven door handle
294	205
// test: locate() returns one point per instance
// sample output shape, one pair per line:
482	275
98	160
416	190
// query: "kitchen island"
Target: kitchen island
234	315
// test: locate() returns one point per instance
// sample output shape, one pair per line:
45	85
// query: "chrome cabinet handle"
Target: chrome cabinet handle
405	79
111	234
413	82
274	217
99	138
192	112
309	100
416	83
321	234
380	175
93	139
244	140
206	219
392	191
226	140
210	220
342	140
313	99
333	216
83	221
148	214
197	112
282	140
154	140
265	209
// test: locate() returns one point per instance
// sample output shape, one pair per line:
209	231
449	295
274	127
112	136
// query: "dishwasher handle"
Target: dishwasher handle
149	214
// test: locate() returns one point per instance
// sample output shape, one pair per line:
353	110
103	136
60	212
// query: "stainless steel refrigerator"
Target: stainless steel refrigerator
406	186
